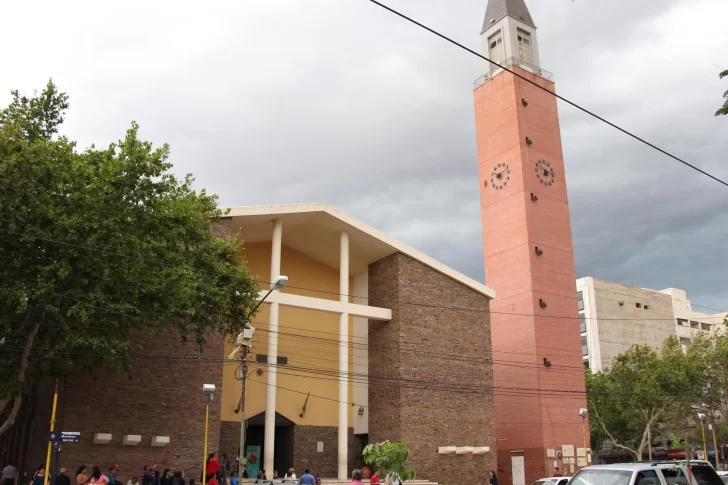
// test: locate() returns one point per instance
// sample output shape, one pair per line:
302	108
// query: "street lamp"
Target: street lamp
209	391
701	417
245	342
584	413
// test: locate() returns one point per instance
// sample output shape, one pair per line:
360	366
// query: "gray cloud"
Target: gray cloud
338	101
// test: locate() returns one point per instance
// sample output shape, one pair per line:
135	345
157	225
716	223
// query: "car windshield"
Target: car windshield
596	476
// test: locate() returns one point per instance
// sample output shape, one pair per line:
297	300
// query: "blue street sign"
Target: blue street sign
70	436
54	437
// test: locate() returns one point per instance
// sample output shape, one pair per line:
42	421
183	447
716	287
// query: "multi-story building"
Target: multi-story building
689	321
613	317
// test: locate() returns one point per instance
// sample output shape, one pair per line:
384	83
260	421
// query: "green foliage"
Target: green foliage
723	110
389	459
642	391
64	307
646	393
676	443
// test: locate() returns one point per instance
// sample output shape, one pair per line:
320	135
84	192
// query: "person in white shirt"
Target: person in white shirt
290	476
9	473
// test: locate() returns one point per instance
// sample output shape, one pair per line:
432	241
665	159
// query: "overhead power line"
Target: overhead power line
433	385
565	100
139	259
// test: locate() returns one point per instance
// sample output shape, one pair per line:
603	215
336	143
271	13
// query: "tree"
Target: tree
724	109
97	246
389	458
640	392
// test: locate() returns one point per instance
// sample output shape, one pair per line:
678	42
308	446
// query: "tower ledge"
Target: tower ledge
513	61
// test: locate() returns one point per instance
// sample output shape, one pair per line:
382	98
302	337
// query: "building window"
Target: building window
704	326
495	48
586	363
582	323
682	322
580	300
685	341
638	305
647	307
584	347
263	359
524	46
694	324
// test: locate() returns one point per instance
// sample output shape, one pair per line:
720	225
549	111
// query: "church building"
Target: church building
372	340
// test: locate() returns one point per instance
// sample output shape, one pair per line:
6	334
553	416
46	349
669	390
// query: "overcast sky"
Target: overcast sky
338	101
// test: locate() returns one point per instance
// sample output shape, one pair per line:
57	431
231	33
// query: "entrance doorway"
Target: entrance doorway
283	448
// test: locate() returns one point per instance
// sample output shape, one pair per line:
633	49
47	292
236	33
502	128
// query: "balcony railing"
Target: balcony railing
513	61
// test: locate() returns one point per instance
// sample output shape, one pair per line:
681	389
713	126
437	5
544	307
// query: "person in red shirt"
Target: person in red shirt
212	481
374	480
212	468
557	473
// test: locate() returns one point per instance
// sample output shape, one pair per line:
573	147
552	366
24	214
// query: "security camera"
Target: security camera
701	416
583	412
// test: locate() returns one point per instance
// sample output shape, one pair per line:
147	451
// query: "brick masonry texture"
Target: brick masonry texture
425	343
163	397
229	438
305	439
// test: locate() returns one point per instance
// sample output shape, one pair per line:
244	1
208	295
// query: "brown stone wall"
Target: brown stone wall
305	439
434	353
230	438
163	397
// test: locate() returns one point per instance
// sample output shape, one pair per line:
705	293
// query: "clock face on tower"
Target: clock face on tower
500	176
545	173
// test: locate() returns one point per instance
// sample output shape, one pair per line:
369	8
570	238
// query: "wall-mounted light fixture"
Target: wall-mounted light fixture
528	141
524	102
539	251
361	411
546	362
541	303
534	197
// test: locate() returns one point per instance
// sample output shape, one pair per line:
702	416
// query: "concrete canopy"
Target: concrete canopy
314	230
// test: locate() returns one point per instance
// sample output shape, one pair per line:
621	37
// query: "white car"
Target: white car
656	473
552	481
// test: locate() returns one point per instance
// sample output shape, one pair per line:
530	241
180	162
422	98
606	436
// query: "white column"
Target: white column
343	358
271	378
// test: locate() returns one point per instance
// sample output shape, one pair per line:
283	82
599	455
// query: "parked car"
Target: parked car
649	473
723	476
552	481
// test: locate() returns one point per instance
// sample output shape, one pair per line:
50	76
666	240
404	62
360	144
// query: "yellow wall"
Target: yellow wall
320	354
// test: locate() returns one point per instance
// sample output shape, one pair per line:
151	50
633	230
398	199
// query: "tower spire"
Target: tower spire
497	9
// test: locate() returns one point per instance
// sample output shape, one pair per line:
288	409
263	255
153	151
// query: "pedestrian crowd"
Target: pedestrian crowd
217	472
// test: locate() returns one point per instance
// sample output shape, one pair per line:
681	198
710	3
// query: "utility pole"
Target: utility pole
243	423
53	426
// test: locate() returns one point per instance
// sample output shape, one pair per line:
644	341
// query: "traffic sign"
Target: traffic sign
70	436
54	437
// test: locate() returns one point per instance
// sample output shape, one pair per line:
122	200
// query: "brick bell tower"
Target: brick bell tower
529	257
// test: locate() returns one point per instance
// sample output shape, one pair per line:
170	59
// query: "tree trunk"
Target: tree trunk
10	420
649	440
